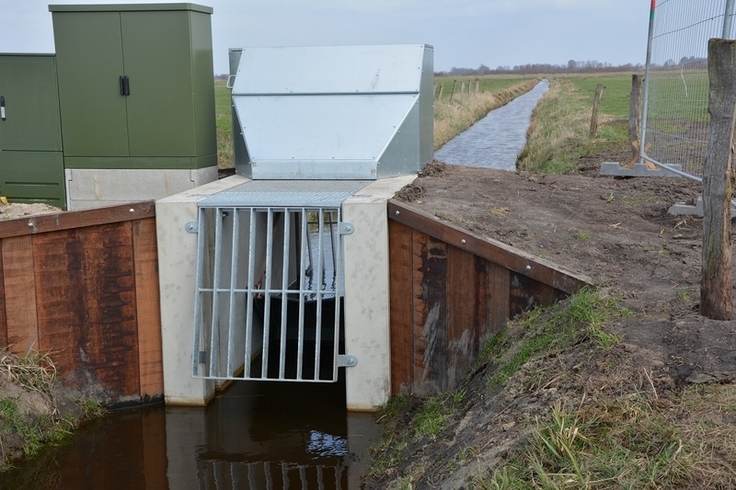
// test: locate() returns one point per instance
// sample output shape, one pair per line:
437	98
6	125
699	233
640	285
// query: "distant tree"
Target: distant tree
483	70
572	65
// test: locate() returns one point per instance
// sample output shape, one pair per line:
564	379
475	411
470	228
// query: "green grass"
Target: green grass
486	83
555	327
559	135
224	125
616	94
630	441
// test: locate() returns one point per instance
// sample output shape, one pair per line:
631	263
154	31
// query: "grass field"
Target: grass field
559	136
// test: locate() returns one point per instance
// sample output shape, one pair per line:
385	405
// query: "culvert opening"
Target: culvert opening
270	293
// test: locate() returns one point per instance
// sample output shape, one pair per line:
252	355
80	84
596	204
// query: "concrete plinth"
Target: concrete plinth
696	209
177	265
95	188
639	170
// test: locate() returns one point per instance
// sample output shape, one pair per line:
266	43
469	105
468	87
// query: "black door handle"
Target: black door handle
2	107
124	85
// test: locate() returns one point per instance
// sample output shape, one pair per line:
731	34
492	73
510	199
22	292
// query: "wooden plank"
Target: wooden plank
3	321
526	293
113	336
420	311
462	315
76	219
148	312
401	307
514	259
493	298
62	297
87	310
430	320
20	295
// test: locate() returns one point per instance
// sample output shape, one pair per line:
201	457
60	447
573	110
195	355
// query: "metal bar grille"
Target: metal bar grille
269	293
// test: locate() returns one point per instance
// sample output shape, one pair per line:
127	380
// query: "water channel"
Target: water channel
256	435
496	140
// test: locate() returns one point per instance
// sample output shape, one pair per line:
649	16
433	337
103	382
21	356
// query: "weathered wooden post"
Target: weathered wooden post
452	92
594	116
635	115
716	289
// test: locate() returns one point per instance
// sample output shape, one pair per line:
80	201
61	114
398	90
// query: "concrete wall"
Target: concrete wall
95	188
367	333
177	258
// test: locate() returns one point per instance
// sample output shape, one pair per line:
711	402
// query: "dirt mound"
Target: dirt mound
19	210
618	232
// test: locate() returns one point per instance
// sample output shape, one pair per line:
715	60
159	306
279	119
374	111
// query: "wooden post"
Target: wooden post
635	115
596	103
439	92
716	289
452	92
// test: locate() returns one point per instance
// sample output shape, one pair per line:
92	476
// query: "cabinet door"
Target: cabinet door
33	176
157	58
28	87
89	56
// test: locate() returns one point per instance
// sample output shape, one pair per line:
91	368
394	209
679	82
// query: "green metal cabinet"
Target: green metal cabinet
136	85
31	162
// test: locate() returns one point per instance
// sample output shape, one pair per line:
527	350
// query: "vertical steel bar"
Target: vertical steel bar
234	253
284	291
198	292
267	293
304	249
320	292
337	251
645	103
250	286
215	338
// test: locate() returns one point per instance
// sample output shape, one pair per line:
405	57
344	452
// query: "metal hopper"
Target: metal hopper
332	112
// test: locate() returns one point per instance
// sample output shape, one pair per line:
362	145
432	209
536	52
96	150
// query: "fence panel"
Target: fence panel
676	87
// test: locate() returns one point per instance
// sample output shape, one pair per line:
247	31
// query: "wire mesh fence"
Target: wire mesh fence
675	115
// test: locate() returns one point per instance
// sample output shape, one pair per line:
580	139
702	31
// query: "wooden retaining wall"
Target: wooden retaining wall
84	286
452	290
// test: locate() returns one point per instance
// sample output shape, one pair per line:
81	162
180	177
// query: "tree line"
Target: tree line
572	66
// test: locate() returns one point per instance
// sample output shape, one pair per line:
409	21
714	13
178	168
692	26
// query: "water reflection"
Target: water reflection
257	435
496	140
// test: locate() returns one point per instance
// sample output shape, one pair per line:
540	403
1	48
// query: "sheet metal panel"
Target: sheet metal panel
333	112
329	69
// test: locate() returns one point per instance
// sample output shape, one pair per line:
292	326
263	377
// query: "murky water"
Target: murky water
255	436
496	140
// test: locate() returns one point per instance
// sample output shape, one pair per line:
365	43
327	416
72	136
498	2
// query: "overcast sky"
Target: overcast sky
464	33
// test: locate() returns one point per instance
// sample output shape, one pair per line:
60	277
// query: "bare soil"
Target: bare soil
616	231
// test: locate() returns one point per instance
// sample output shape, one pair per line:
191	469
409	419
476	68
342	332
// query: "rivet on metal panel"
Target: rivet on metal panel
528	267
191	226
346	228
347	361
397	212
30	223
132	210
462	241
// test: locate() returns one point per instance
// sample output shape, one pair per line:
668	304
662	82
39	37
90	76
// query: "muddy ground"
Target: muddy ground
617	232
